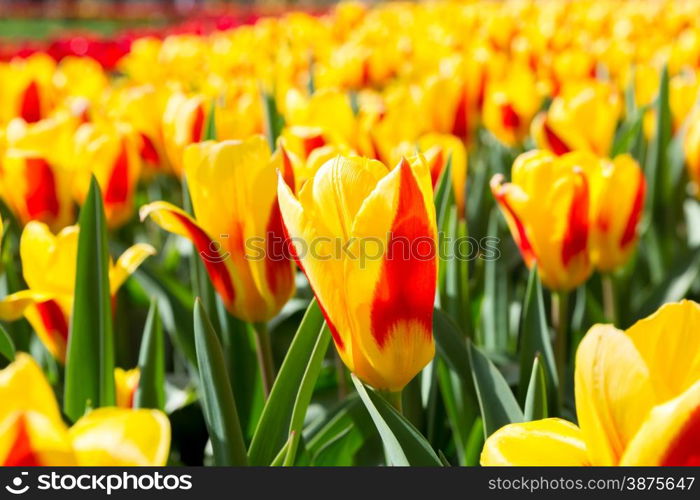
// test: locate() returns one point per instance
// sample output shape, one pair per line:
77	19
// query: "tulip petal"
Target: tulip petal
48	261
121	437
175	220
548	442
613	392
28	438
23	387
670	435
669	343
127	263
398	217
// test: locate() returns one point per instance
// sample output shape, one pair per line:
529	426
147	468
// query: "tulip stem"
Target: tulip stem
395	399
264	351
560	322
609	297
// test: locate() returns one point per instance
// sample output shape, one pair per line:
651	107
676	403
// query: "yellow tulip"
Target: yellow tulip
48	267
582	118
110	152
237	229
691	147
637	400
546	206
33	433
126	382
377	304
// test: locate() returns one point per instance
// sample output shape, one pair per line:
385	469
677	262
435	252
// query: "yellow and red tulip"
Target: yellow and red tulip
110	151
26	90
691	147
35	178
438	149
546	206
378	304
510	105
637	400
582	118
48	267
617	194
237	228
32	431
184	120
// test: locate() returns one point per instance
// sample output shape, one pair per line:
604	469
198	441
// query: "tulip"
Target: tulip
110	152
48	267
637	400
26	90
691	147
378	304
32	431
438	149
510	105
125	383
617	192
582	118
184	120
237	228
35	177
546	206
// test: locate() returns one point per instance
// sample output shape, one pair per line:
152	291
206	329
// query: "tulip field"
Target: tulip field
441	233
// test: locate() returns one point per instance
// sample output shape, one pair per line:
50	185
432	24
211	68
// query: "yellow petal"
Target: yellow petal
48	261
127	263
126	382
14	306
669	343
23	387
548	442
670	435
613	392
122	437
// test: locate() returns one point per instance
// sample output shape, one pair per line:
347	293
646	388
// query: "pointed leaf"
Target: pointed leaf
536	399
210	128
534	339
273	427
150	392
216	395
403	444
496	400
89	375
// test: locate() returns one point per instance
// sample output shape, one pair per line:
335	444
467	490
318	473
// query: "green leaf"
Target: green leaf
536	399
306	388
175	305
674	286
403	444
494	306
657	159
475	443
534	339
7	347
89	374
210	128
273	427
444	196
455	379
150	393
496	400
274	121
216	395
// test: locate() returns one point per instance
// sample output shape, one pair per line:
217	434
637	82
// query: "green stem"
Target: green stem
560	322
395	399
264	352
609	297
